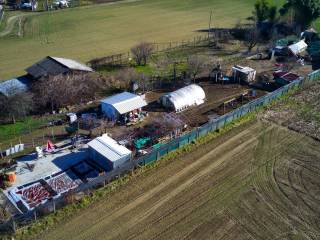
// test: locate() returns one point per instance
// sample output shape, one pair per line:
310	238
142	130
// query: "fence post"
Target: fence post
54	205
14	225
35	215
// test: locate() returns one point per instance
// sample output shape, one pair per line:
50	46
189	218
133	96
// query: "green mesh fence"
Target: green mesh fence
221	121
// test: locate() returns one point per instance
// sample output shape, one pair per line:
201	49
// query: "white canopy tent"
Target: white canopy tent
184	98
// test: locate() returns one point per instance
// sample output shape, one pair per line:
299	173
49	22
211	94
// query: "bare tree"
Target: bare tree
142	52
15	106
127	77
61	91
251	38
195	64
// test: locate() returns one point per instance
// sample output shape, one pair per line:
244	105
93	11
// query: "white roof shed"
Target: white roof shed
108	150
298	47
245	73
184	98
125	102
122	103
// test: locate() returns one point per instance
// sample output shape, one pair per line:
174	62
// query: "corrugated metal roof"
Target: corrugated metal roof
109	148
13	86
242	69
125	102
186	97
298	47
72	64
54	66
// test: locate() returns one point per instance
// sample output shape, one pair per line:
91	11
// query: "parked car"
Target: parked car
61	4
57	122
26	5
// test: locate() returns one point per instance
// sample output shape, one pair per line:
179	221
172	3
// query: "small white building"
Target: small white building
181	99
108	153
241	73
298	47
115	106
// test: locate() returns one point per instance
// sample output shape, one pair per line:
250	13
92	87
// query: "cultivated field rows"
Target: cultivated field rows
259	181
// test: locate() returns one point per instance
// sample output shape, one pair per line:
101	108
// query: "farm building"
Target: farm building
14	86
283	77
52	66
184	98
298	47
107	153
123	105
245	74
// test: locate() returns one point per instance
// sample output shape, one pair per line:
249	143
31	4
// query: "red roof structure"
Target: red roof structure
288	76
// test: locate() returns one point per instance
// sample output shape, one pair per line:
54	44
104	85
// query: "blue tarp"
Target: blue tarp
13	86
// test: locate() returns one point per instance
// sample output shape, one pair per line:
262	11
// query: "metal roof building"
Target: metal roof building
107	153
52	66
184	98
246	74
13	86
121	103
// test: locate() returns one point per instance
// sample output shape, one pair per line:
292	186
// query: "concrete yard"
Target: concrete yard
47	165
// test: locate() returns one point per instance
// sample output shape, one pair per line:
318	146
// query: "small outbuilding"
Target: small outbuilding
298	47
245	74
182	99
108	153
123	105
53	66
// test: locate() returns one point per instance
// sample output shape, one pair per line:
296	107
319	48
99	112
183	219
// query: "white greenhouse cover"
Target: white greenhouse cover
186	97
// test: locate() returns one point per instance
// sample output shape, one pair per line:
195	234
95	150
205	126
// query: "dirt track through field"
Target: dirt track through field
210	193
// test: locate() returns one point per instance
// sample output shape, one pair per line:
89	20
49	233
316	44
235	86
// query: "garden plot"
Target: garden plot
300	112
64	182
31	195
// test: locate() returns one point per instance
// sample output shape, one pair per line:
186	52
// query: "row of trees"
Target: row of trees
14	106
300	12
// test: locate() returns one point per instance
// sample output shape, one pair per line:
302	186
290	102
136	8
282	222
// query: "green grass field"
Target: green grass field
98	30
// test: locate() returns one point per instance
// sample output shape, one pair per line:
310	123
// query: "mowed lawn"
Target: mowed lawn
98	30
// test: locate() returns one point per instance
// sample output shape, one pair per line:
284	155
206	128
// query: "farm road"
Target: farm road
211	192
10	24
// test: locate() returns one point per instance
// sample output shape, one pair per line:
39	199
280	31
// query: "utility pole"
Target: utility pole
209	29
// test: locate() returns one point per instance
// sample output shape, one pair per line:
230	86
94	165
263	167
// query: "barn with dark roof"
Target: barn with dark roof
52	66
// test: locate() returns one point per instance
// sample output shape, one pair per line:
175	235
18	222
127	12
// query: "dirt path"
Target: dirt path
10	24
11	21
209	194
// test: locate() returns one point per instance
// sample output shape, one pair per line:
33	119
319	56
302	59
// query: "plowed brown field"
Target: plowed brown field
258	181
